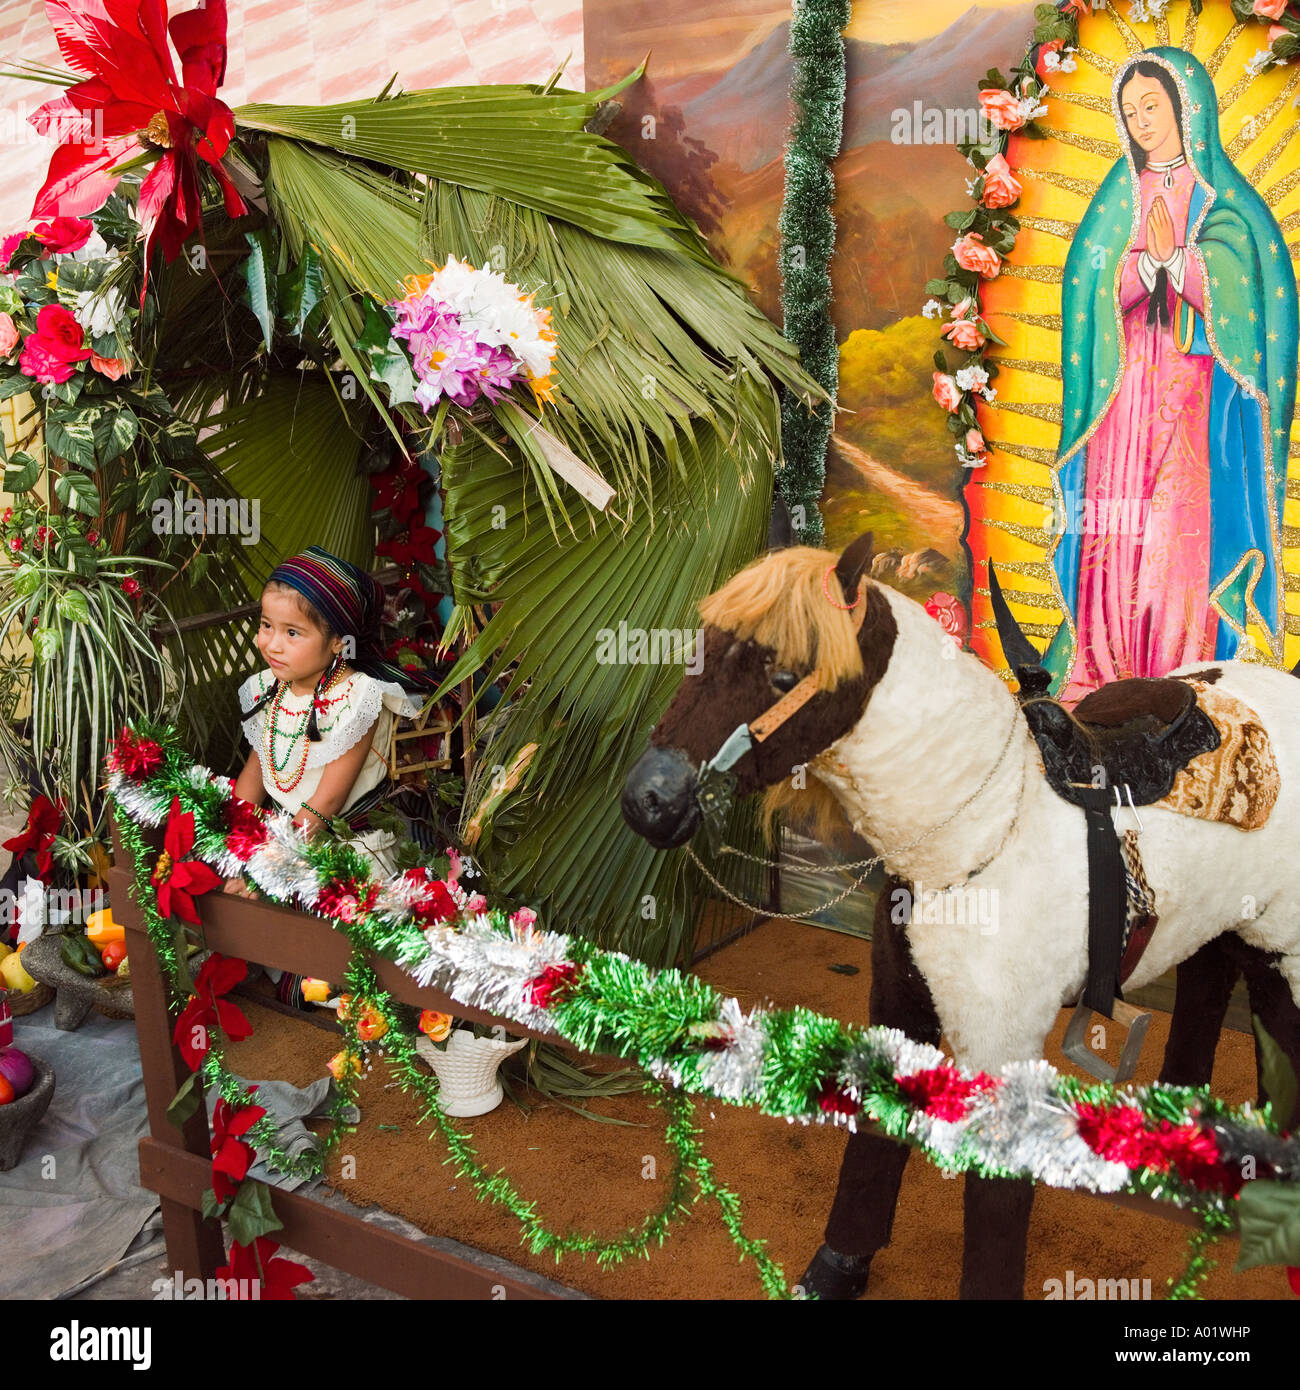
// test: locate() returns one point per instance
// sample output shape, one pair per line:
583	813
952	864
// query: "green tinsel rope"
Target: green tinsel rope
807	228
689	1160
1199	1264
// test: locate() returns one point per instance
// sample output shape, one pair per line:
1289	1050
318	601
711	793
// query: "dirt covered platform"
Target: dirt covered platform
597	1177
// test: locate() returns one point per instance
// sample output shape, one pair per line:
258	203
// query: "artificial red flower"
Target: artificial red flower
398	490
1293	1278
1040	67
92	537
347	900
943	1092
64	235
52	352
114	368
134	755
16	544
130	586
834	1101
131	98
43	820
411	547
435	903
208	1010
1120	1134
9	245
248	832
949	613
552	985
276	1278
179	880
231	1157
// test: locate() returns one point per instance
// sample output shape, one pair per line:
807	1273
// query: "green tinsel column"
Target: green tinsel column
807	230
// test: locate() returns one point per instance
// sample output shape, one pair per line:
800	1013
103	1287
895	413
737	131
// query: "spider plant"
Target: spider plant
94	661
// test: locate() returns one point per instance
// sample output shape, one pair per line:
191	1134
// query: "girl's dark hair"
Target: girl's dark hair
1146	68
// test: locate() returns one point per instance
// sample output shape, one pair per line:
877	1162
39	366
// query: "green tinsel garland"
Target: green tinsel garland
807	228
689	1161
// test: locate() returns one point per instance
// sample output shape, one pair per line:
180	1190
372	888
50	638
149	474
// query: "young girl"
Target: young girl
319	718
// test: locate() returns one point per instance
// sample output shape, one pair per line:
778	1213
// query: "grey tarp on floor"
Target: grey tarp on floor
73	1204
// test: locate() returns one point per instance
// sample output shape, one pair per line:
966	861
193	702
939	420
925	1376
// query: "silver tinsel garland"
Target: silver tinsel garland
1021	1126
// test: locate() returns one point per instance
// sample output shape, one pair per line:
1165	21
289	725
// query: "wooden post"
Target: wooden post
194	1247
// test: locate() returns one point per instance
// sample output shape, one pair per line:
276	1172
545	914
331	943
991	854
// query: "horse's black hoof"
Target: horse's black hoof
833	1277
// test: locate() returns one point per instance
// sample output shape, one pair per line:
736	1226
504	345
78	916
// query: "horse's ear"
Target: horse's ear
780	528
853	564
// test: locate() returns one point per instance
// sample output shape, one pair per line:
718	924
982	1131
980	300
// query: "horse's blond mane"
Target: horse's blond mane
779	602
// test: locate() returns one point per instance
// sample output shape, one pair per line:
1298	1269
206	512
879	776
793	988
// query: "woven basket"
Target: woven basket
20	1004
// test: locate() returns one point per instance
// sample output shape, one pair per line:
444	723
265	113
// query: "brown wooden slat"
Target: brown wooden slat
345	1242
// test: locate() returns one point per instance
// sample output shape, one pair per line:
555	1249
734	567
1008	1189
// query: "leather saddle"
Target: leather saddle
1135	735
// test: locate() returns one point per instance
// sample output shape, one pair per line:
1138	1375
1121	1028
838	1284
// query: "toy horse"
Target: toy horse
924	751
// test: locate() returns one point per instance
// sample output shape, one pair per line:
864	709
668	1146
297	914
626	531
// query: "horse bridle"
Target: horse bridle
715	783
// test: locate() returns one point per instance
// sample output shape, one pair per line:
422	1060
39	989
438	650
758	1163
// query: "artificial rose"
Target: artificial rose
40	362
1079	7
1277	31
9	335
435	1026
111	367
972	254
946	392
1269	9
60	328
1002	109
1000	188
340	1064
1054	46
63	235
949	613
974	442
476	903
965	334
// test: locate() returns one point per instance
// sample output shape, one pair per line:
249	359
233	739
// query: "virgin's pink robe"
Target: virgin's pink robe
1142	607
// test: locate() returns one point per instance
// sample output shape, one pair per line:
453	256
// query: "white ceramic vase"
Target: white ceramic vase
467	1071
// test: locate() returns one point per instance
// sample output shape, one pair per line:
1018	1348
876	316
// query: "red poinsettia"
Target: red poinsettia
346	899
231	1157
277	1278
942	1092
208	1010
43	821
134	756
247	829
179	880
398	490
131	98
411	547
551	985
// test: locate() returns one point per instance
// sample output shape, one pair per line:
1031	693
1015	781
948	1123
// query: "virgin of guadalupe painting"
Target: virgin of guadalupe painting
1178	359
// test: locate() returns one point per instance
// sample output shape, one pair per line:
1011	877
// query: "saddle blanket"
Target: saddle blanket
1237	782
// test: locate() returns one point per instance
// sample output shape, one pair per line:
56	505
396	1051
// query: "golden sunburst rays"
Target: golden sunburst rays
1009	499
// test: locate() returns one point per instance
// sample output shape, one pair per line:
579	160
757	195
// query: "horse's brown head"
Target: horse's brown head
795	614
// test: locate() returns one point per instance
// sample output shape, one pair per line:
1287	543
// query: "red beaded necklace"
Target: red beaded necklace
297	731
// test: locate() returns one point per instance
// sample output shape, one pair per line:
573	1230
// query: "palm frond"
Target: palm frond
524	143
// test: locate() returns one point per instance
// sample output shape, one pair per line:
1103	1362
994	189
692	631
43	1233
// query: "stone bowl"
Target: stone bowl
21	1116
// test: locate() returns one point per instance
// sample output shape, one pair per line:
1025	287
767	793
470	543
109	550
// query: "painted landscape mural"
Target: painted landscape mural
710	119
